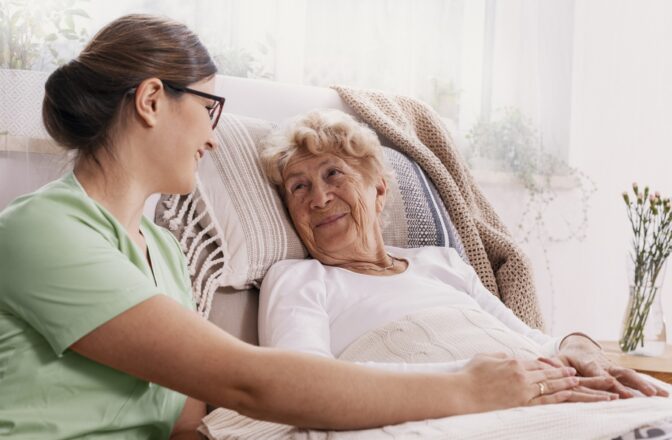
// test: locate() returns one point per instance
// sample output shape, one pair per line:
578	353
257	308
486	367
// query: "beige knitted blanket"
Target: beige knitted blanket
418	131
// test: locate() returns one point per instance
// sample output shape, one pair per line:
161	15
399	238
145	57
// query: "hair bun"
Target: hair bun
69	111
84	98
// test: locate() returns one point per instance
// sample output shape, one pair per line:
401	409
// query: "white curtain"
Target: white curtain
589	80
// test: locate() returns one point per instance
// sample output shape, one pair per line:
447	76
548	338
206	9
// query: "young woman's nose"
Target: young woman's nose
211	143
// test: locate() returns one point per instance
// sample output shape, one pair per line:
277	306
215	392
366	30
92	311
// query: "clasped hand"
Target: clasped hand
591	363
497	381
580	372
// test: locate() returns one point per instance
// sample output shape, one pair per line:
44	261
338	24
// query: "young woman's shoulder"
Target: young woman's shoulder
57	204
53	212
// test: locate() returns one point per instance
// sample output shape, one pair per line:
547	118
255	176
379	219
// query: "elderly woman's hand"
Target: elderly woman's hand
590	362
495	381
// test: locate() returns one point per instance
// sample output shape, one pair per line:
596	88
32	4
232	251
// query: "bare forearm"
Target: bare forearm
162	343
187	424
308	391
187	436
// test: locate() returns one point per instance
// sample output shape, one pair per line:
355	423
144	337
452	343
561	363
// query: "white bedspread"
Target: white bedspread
602	420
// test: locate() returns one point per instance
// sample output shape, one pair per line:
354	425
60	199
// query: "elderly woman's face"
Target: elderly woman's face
333	206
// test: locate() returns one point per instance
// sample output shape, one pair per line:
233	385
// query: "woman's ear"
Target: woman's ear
381	194
147	96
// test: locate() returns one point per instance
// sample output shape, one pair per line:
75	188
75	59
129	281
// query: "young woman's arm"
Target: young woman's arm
160	341
189	420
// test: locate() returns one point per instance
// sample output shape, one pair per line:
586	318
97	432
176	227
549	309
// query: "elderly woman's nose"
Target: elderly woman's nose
321	196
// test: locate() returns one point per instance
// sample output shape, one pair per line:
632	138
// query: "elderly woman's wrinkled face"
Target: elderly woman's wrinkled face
334	207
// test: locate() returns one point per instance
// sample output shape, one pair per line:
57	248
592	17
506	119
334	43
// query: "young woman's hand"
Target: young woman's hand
497	382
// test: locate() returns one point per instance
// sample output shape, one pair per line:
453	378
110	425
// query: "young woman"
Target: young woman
98	337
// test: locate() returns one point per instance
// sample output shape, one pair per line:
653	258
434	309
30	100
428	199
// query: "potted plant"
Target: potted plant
650	218
511	145
33	35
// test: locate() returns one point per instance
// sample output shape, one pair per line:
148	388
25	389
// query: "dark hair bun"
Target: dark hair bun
84	98
76	111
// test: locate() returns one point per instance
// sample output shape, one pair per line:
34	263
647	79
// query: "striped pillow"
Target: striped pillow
415	215
233	227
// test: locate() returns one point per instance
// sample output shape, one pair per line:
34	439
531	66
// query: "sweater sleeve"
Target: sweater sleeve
292	308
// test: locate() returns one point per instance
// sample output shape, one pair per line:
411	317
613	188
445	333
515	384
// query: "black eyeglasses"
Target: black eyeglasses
214	112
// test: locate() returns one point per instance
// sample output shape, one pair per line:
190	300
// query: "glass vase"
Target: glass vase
644	331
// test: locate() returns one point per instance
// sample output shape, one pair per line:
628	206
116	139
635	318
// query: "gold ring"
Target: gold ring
542	388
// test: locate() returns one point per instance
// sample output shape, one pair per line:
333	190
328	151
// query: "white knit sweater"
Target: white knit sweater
309	307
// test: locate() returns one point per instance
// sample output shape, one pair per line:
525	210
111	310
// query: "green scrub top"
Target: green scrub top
66	267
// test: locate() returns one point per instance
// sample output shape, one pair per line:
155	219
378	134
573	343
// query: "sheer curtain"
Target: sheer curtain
558	105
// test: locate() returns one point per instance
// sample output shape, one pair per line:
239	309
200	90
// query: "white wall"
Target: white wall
621	131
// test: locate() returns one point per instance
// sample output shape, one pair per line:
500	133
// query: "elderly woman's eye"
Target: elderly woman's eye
333	172
297	186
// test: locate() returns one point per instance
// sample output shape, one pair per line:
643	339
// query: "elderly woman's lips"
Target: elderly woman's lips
330	219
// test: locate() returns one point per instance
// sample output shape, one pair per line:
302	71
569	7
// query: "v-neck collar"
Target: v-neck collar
150	269
149	259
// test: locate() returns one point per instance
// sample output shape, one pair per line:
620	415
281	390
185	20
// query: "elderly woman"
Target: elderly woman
360	300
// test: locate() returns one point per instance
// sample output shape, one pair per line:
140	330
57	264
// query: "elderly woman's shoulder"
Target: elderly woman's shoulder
412	252
295	268
430	255
297	264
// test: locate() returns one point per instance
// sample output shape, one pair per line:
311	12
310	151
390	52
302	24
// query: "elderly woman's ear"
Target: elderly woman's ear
381	194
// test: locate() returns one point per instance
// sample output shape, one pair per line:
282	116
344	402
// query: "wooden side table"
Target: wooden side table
658	367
